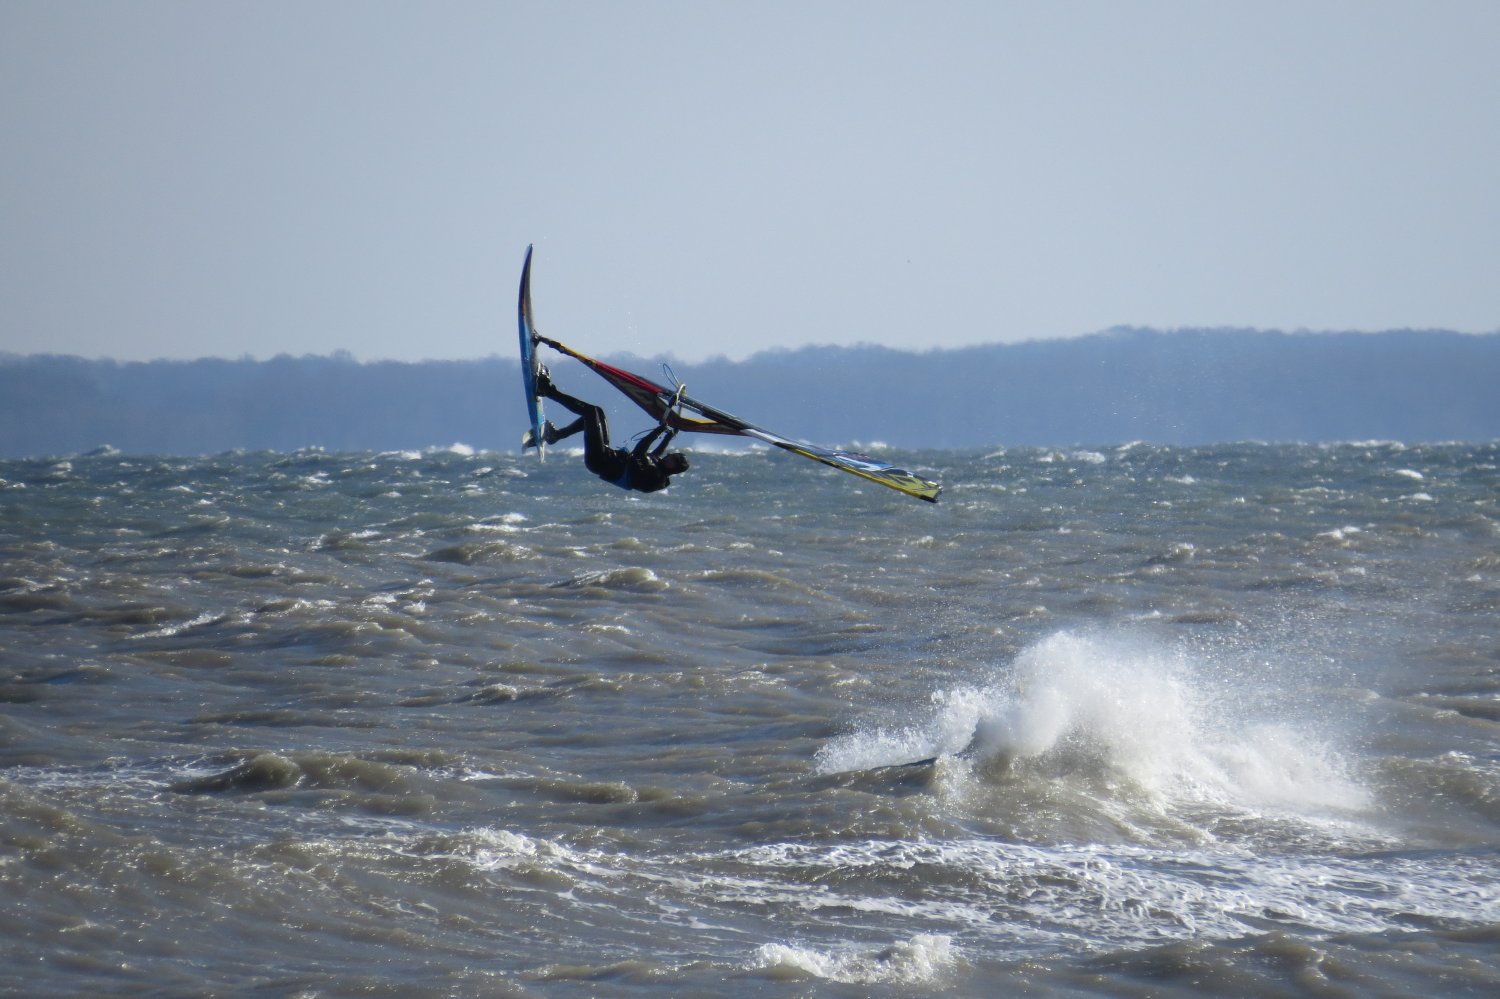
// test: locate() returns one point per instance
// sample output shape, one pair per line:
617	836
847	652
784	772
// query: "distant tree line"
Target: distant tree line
1186	387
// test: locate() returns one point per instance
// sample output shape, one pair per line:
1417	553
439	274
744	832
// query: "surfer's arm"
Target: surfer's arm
644	450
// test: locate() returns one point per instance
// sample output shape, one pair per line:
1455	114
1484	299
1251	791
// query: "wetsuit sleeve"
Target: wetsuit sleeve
643	449
665	441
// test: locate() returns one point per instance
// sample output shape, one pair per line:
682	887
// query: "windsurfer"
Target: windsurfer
644	468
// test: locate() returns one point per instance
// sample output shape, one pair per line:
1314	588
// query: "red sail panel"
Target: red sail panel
653	398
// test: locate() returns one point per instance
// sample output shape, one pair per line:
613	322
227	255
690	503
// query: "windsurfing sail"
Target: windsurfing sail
676	409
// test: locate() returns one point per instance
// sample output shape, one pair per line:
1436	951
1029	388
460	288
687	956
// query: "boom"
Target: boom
667	405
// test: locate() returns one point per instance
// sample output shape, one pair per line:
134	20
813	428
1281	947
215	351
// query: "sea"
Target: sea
1133	720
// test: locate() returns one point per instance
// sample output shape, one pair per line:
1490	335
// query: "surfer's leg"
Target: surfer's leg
595	430
554	435
592	425
591	421
597	454
545	388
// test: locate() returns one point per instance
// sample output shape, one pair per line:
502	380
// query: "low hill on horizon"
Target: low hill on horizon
1178	387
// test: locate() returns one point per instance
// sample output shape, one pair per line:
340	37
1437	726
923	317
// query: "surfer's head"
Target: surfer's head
674	463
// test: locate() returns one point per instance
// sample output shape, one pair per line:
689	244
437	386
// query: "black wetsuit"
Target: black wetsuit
639	469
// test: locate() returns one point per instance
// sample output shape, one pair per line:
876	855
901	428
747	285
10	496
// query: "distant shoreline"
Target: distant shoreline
1127	384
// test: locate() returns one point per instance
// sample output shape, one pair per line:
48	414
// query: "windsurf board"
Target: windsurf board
531	365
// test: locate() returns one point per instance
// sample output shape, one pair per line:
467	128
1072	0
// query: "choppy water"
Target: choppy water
1206	721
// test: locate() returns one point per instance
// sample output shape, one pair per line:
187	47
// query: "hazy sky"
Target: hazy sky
700	178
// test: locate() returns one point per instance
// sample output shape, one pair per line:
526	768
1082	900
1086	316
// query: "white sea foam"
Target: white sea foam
1119	896
509	523
178	627
921	960
1128	703
1120	706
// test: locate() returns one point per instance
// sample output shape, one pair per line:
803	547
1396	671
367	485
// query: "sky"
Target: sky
213	179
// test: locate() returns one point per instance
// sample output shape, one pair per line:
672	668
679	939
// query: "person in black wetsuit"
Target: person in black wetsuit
643	468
